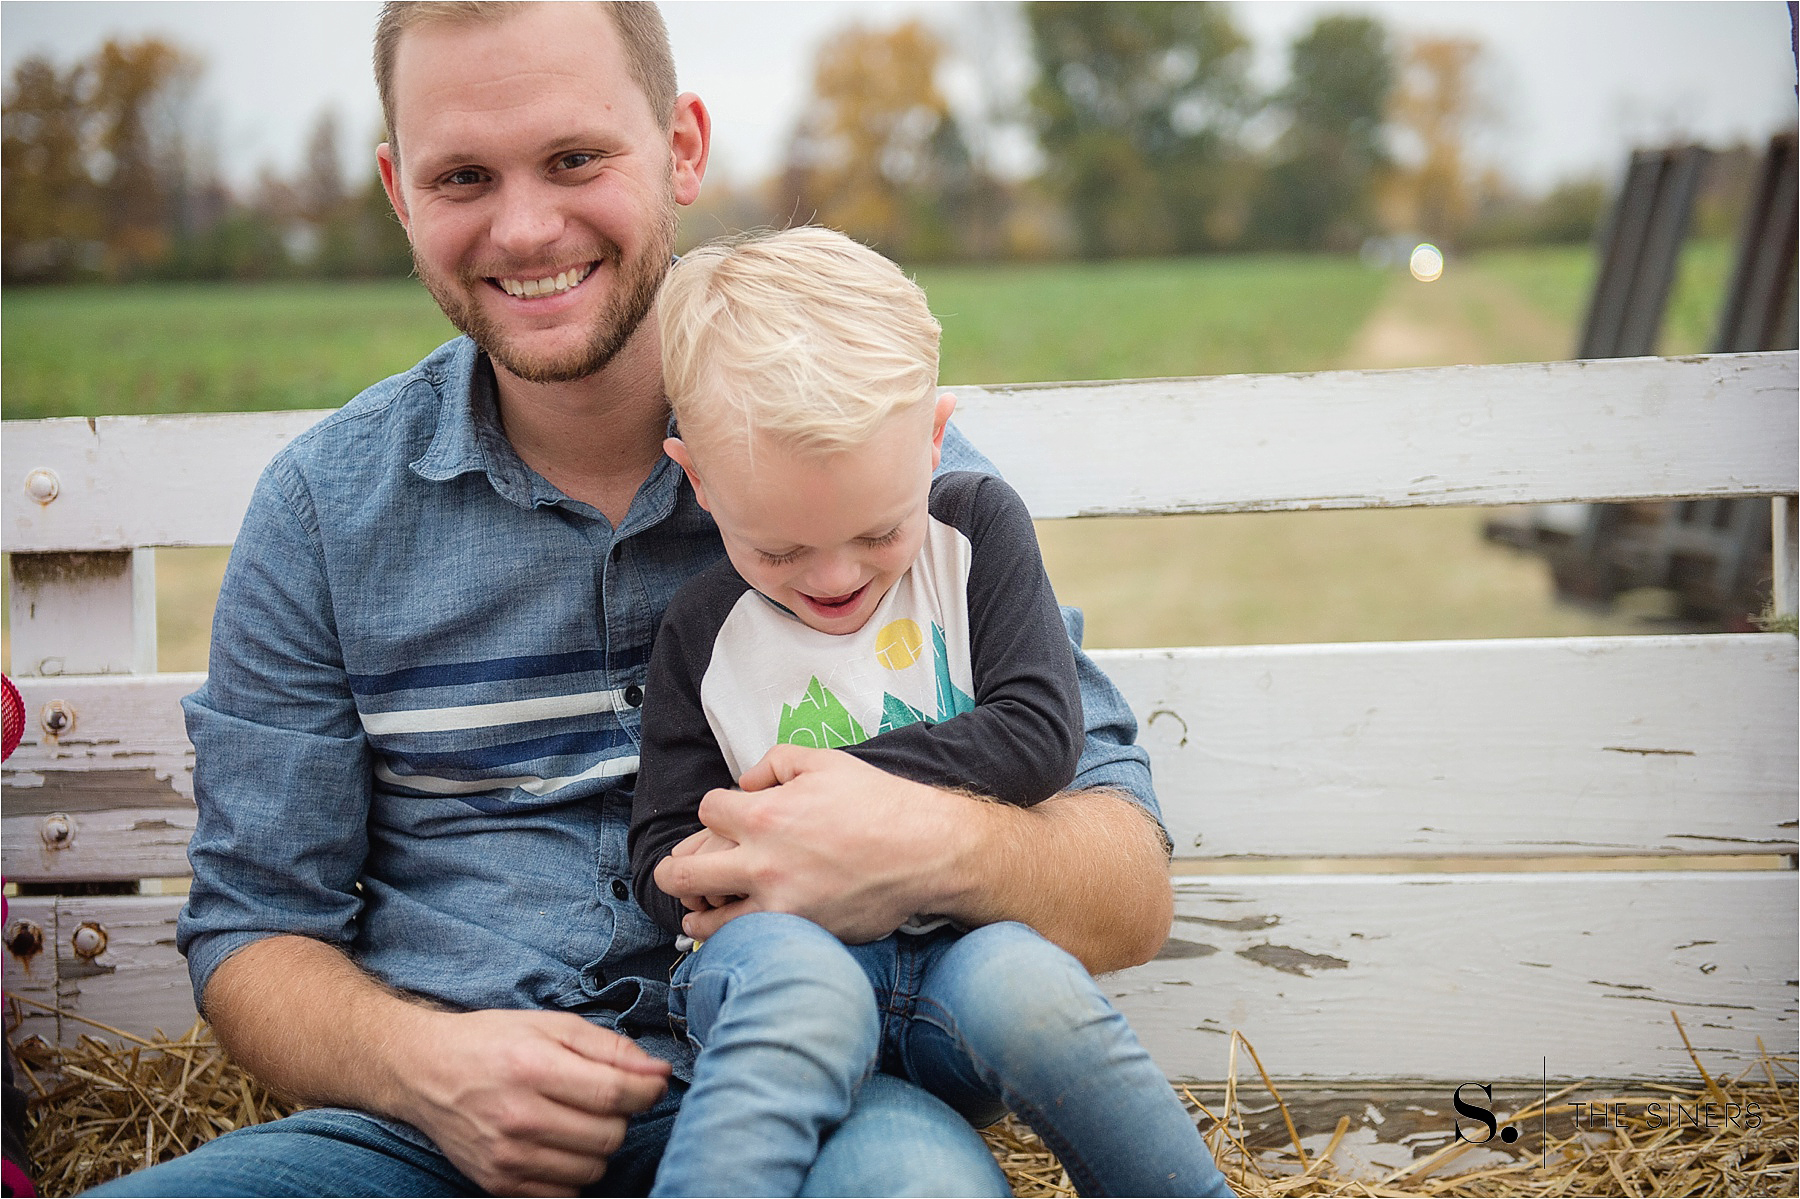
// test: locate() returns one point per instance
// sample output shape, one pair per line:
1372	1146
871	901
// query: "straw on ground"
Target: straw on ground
101	1108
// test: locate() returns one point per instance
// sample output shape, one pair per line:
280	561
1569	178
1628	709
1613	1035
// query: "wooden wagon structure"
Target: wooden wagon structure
1520	855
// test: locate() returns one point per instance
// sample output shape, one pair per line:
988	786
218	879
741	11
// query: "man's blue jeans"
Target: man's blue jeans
898	1141
793	1025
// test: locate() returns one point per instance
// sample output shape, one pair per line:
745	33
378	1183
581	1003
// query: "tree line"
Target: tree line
105	177
1152	137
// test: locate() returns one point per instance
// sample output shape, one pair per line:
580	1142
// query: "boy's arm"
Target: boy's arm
1021	742
679	758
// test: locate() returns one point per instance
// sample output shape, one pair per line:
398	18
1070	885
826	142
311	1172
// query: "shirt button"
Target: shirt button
620	890
634	696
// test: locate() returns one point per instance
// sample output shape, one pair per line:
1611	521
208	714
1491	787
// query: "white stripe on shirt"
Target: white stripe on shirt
479	716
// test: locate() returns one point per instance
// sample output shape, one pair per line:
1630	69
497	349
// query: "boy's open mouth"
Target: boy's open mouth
830	605
549	285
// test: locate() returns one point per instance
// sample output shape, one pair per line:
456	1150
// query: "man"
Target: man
415	746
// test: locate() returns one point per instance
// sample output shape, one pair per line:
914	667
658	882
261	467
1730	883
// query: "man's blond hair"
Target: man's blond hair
640	27
803	335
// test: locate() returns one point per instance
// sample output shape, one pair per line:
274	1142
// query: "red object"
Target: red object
17	1182
13	727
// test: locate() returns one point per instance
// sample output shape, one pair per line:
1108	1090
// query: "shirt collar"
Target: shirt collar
469	435
470	438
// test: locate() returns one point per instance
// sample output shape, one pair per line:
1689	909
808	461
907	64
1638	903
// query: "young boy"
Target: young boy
866	607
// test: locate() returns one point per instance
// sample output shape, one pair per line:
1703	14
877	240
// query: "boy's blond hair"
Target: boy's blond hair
802	334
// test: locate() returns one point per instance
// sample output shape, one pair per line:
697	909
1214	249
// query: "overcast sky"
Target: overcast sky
1573	85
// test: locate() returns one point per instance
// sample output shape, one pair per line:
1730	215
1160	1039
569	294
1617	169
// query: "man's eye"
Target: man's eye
574	162
467	177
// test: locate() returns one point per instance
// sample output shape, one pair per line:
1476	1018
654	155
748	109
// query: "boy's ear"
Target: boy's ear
940	419
677	451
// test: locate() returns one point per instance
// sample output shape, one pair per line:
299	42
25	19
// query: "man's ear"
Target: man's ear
690	141
390	183
940	420
677	451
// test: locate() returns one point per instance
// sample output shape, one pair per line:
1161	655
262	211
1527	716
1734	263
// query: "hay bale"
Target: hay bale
100	1109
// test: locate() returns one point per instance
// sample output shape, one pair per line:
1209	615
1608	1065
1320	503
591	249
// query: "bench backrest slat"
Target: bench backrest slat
1568	746
1525	433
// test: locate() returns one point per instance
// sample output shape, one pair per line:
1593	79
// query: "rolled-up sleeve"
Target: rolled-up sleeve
281	767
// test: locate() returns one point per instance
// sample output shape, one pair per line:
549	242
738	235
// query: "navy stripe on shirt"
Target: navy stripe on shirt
592	743
452	674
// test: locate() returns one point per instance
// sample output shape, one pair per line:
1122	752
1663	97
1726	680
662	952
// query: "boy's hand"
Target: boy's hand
704	841
826	836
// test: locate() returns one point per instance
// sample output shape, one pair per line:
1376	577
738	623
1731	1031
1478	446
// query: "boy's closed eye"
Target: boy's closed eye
791	556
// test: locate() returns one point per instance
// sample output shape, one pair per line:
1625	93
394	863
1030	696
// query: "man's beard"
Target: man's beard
634	292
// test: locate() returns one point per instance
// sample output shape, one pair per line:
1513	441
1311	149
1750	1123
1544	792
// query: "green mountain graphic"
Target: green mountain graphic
951	700
819	720
896	713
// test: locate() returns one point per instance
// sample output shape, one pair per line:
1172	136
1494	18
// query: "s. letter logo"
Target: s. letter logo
1475	1111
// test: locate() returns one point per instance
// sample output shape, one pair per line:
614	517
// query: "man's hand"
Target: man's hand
823	835
523	1102
528	1103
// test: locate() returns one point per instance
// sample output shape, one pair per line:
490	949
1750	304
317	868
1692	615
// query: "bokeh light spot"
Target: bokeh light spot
1427	263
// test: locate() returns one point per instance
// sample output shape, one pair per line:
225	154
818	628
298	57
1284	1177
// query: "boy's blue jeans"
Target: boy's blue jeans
995	1018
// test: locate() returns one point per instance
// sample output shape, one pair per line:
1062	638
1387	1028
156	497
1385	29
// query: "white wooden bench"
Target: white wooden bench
1480	752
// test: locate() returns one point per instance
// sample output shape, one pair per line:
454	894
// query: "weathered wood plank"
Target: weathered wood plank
1784	582
127	481
83	613
137	982
30	960
125	748
1623	745
1522	433
1472	976
1561	746
1477	976
117	845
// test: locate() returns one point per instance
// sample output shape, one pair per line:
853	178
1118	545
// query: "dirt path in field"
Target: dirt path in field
1465	317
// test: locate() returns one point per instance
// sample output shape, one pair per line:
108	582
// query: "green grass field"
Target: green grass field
1556	281
130	350
1194	580
95	351
1135	320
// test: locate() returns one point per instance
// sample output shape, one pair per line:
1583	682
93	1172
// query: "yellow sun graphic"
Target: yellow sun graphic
899	644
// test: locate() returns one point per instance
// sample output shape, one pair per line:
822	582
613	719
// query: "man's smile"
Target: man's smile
548	286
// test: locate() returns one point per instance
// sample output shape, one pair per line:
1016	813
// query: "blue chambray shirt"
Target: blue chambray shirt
419	732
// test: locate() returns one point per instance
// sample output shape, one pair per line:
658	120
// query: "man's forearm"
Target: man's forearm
824	835
303	1018
1087	869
